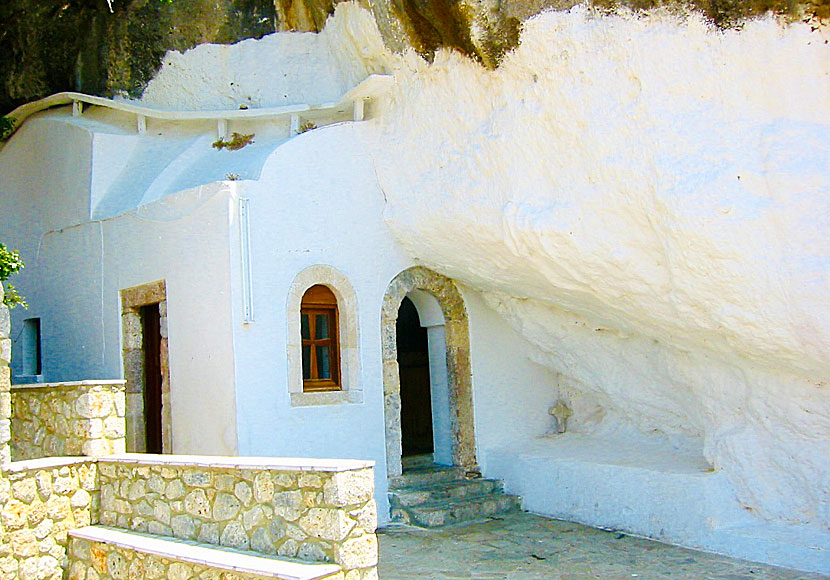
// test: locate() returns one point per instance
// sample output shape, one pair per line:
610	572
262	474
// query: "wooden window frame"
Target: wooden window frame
311	305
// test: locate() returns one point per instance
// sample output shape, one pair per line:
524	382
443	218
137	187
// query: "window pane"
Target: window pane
306	362
323	367
322	327
304	326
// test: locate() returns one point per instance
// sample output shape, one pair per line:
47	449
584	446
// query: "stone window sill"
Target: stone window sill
326	398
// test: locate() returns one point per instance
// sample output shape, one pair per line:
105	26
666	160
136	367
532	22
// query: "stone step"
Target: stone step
450	512
426	476
115	553
418	461
410	496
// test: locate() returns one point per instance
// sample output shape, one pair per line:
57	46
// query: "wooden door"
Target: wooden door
413	365
151	331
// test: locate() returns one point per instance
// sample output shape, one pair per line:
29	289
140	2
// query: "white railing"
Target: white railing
372	87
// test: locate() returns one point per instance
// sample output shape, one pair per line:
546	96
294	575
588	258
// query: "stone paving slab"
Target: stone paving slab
524	546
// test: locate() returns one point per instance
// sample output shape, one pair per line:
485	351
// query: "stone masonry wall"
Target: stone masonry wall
306	512
40	501
64	419
101	561
5	382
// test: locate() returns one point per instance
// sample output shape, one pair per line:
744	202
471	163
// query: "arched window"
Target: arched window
320	340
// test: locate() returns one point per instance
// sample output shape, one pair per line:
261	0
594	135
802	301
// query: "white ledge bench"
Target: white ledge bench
119	554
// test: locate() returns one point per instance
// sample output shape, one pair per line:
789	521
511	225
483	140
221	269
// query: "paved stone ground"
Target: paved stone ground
527	547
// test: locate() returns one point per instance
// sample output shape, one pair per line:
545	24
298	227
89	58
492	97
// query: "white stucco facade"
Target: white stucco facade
678	310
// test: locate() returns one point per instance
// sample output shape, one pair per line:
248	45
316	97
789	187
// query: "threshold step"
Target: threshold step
445	513
412	495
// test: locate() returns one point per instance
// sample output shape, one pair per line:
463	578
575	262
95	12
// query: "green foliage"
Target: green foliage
237	141
10	263
6	128
732	13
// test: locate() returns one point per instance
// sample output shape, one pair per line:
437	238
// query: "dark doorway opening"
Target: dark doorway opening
151	332
413	363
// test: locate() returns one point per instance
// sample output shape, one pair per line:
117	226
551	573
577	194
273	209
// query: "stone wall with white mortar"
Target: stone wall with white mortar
62	419
101	561
307	513
40	501
5	382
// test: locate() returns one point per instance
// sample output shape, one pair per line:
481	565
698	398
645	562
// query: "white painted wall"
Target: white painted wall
317	203
75	270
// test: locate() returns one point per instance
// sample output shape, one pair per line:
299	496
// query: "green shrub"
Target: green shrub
10	263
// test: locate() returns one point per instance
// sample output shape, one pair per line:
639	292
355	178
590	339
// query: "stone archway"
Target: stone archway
459	375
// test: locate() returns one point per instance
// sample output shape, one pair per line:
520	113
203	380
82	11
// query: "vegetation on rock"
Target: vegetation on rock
10	263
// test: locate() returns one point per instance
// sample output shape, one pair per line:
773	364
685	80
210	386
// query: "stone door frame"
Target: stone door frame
459	374
132	299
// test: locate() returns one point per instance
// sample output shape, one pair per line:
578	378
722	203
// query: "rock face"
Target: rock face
52	46
656	227
82	45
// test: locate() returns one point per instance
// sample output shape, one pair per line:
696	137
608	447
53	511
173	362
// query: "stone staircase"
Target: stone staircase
430	496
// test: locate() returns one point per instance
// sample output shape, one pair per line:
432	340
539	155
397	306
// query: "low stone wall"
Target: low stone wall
65	419
99	561
40	501
319	511
5	382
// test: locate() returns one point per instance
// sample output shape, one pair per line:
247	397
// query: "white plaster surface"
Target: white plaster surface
279	69
644	200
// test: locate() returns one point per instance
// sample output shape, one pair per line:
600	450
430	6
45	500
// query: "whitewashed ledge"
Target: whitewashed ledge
67	385
45	463
230	462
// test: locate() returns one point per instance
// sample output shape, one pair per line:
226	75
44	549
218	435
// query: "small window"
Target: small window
31	347
320	339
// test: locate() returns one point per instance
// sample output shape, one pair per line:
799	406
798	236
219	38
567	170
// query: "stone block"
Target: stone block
225	507
263	487
360	552
80	499
196	504
179	571
97	448
25	490
161	512
367	516
262	541
115	427
234	536
183	526
224	482
14	515
288	505
209	533
193	478
94	404
23	543
5	351
309	479
137	490
242	491
349	488
327	524
36	513
175	490
117	565
312	552
254	517
289	548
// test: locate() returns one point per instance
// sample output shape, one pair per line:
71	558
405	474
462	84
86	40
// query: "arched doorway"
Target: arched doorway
440	311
